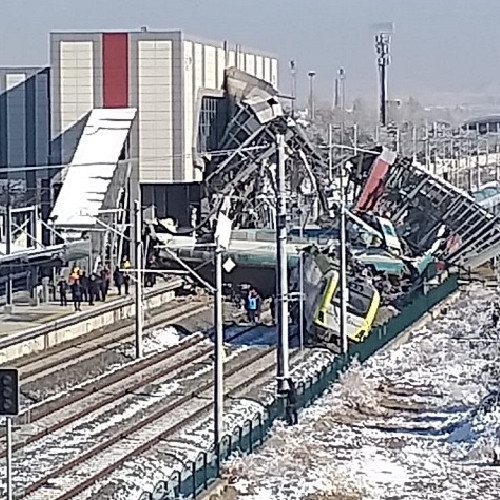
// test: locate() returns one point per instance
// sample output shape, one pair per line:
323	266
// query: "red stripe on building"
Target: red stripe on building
115	70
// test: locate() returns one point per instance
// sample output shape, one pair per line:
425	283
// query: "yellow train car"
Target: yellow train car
363	302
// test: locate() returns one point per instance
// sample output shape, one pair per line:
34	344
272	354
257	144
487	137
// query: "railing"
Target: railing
196	476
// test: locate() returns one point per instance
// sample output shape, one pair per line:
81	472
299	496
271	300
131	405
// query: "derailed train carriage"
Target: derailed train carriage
322	301
362	304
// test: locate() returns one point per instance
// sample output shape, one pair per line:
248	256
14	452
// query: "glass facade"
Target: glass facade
212	123
24	128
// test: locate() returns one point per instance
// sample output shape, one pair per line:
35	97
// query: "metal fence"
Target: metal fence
196	476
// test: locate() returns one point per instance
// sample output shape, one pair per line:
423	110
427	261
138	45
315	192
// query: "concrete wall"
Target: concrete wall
76	83
156	118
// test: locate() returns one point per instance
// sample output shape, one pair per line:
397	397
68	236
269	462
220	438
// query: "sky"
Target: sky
439	46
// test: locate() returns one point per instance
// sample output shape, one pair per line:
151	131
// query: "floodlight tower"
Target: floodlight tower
382	49
341	80
293	74
311	76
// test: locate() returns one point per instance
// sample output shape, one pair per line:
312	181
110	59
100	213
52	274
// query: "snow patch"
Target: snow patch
161	339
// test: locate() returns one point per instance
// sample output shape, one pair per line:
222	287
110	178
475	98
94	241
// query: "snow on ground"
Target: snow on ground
153	342
144	472
411	423
44	455
161	339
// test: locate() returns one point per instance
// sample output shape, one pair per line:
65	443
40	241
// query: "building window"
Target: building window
212	123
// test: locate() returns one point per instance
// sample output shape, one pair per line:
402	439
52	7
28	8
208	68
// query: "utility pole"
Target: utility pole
330	153
221	238
282	372
497	172
469	163
139	257
8	432
343	265
8	250
301	278
355	138
341	79
382	49
293	74
219	340
312	110
414	143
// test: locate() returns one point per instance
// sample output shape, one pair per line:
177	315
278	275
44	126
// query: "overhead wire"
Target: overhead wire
124	162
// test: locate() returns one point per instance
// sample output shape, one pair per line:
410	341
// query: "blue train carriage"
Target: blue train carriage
488	196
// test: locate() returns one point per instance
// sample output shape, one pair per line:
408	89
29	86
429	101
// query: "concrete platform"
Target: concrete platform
25	316
34	329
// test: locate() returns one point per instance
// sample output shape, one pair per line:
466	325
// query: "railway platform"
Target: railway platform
24	316
29	329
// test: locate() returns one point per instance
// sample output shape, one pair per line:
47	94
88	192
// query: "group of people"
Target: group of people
93	288
84	288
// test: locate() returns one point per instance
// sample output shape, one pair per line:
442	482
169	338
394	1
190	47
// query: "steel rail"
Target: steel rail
91	454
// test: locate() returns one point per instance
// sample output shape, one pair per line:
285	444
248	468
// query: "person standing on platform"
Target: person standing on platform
62	286
103	286
84	282
75	275
105	282
92	289
99	288
118	279
76	291
126	277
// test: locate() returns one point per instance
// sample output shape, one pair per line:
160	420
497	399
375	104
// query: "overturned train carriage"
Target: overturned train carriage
246	173
322	302
420	204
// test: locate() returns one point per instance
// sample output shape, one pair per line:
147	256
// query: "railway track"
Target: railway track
39	366
73	358
133	438
77	475
56	413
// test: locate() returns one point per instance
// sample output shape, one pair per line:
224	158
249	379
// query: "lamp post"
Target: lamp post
282	371
341	79
222	237
219	340
301	279
293	74
343	267
382	49
312	110
138	286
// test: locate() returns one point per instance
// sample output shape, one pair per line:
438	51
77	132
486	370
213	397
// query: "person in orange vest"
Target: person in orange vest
75	274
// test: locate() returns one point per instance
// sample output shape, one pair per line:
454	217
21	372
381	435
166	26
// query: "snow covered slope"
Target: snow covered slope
415	422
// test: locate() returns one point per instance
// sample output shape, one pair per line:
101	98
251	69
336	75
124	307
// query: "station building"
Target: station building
174	81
